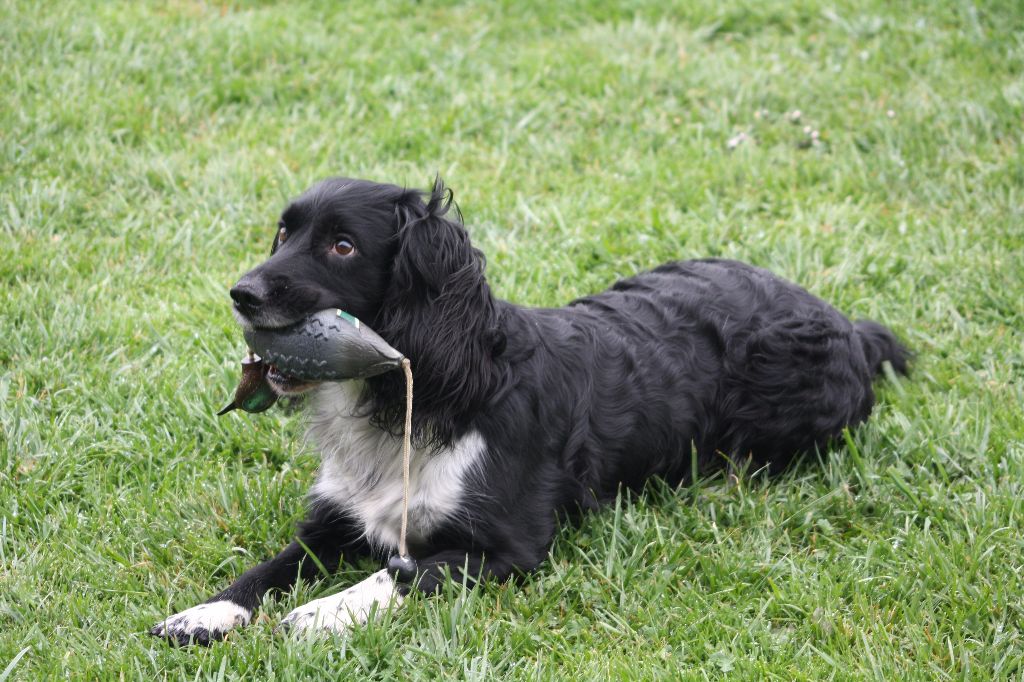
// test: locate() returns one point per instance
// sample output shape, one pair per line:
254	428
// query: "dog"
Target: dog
523	416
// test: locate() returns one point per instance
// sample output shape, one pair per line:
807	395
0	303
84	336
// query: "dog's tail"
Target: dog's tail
880	344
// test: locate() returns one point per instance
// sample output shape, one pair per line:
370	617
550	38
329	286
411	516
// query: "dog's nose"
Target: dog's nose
247	295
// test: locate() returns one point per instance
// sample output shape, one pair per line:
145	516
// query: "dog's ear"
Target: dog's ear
438	311
434	252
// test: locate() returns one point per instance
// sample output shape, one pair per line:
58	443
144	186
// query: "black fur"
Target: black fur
711	357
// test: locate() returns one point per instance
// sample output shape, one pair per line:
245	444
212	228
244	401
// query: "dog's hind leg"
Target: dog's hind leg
794	386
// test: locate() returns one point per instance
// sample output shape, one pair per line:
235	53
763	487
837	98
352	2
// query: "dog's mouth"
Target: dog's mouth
284	384
263	320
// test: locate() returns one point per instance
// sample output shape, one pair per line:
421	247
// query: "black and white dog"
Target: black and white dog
521	414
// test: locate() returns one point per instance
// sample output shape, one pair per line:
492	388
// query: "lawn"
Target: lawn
870	151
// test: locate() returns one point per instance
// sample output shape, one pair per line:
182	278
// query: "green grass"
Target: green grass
146	150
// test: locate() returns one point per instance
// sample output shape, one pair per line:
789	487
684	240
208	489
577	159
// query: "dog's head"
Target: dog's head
396	259
334	247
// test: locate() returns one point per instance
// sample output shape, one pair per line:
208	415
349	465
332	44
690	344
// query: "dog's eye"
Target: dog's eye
344	247
282	234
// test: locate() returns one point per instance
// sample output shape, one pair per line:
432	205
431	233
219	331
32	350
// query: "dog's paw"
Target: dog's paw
339	612
202	624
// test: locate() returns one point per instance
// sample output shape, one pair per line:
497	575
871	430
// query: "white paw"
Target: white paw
339	612
202	624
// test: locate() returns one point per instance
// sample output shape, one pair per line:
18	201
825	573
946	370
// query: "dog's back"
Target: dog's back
712	355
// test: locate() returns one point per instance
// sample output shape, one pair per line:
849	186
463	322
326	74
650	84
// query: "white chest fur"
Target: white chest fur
361	469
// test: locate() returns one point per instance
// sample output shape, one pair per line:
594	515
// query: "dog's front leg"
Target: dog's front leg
338	613
234	606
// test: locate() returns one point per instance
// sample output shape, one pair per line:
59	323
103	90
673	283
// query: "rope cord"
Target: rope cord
403	549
